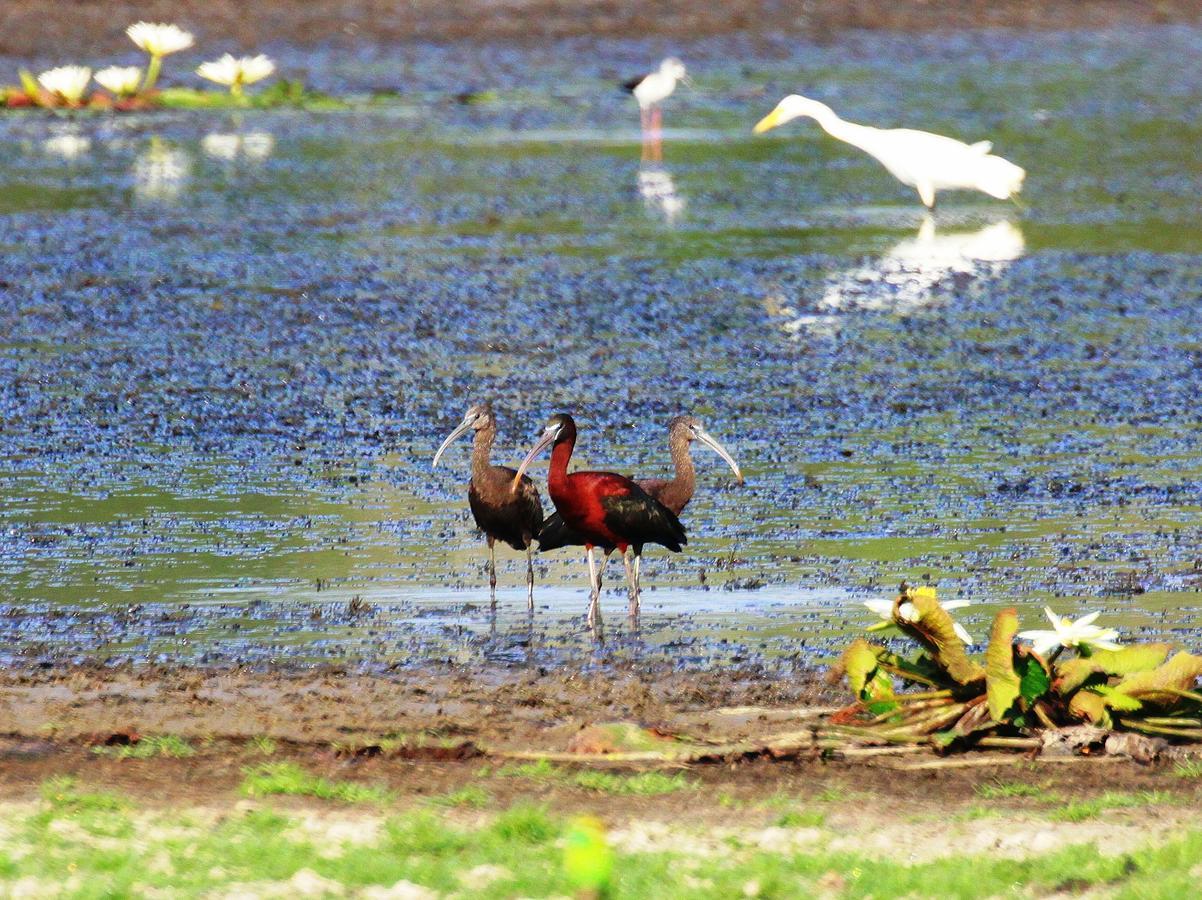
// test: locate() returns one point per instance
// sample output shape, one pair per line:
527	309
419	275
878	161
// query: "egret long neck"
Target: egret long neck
679	491
851	133
482	452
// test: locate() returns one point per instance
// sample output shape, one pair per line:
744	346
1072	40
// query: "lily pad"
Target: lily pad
934	629
1002	684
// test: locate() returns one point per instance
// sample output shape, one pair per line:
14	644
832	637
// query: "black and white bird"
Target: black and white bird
653	89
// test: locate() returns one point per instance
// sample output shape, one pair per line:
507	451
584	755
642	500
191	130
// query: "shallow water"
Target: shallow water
231	344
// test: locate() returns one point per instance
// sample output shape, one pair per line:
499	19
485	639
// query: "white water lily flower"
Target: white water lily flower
906	611
66	82
1067	633
120	80
235	72
159	39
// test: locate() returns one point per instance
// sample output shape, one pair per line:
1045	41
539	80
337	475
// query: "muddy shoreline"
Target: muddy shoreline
459	726
38	27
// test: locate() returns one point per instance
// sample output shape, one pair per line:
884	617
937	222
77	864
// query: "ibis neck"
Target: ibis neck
679	491
557	475
482	451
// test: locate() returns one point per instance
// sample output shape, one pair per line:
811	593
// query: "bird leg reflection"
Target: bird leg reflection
632	579
530	578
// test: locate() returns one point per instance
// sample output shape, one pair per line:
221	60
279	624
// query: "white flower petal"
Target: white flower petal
1052	617
68	82
120	80
882	608
955	604
1087	620
962	633
160	39
230	71
908	612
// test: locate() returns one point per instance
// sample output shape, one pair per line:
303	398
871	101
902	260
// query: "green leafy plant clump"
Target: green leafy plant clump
1017	689
171	746
645	784
289	779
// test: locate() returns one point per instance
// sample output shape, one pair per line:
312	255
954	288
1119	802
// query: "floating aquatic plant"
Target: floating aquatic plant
158	40
66	84
235	72
1017	689
121	81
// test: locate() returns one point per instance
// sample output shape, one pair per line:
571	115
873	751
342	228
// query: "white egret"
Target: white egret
926	162
653	89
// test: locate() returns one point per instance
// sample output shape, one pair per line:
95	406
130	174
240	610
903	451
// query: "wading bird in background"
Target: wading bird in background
674	493
924	161
650	91
607	510
504	503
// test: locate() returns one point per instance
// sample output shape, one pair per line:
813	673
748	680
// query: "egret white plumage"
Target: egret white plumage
654	88
924	161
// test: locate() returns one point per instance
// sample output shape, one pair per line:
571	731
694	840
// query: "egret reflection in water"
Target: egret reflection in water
161	171
659	193
911	275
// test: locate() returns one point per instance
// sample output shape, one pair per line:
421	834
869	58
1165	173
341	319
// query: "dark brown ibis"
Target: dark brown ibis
607	510
674	493
504	503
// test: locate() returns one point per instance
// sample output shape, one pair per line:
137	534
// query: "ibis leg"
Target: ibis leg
630	560
594	598
492	571
530	577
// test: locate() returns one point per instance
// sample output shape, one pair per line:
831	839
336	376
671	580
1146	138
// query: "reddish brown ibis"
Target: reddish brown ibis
504	503
674	493
607	510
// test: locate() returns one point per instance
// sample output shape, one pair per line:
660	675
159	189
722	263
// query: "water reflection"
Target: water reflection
915	273
67	145
161	171
659	193
252	146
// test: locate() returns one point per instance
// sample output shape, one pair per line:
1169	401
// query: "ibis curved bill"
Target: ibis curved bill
924	161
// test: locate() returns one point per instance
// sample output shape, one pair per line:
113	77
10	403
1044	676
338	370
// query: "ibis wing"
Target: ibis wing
641	519
557	533
514	517
630	84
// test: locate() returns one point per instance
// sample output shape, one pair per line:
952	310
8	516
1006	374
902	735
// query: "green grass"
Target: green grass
289	779
645	784
1006	790
801	818
1080	810
472	796
1191	768
168	745
81	844
262	745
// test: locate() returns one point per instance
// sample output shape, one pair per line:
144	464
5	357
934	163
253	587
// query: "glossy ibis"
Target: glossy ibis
674	493
607	510
924	161
504	503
